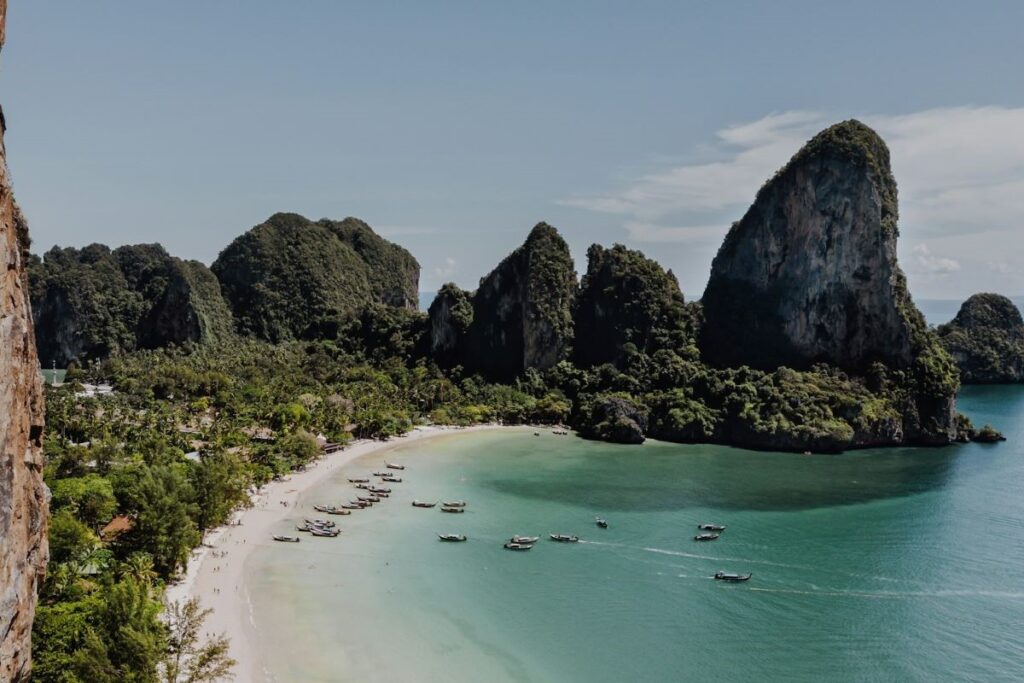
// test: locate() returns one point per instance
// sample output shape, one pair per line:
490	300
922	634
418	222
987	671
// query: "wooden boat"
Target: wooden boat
706	537
735	578
320	522
365	487
303	527
329	509
339	511
393	466
368	499
362	503
453	510
711	527
601	522
564	538
358	480
421	504
395	480
326	533
379	489
381	494
352	506
452	538
454	504
518	546
524	540
382	474
287	539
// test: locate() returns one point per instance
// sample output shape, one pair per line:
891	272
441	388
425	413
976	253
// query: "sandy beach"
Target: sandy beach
216	571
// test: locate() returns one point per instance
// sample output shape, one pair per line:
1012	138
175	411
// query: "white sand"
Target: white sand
215	572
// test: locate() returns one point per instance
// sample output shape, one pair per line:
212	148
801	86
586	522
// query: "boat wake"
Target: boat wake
892	595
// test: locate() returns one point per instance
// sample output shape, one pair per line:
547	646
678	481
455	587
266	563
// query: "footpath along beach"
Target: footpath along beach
216	571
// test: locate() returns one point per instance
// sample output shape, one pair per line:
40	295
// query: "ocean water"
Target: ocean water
883	565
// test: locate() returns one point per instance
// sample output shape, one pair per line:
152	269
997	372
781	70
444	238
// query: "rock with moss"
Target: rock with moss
627	304
613	418
91	303
988	434
809	275
293	278
451	314
986	339
522	311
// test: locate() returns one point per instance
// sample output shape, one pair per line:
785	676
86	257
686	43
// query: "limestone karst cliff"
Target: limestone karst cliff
93	302
627	303
521	313
809	275
986	339
291	277
23	496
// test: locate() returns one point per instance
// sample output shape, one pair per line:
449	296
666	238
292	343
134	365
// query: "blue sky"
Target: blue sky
453	127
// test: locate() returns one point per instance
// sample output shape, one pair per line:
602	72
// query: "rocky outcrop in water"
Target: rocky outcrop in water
809	275
93	302
291	278
986	339
23	496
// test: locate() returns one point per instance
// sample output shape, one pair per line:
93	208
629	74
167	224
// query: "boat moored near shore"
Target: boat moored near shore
287	539
452	538
422	504
734	578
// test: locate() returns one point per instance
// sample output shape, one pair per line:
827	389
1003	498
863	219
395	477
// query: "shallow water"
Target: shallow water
899	564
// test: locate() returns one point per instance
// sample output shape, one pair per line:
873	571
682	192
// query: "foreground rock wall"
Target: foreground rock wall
23	497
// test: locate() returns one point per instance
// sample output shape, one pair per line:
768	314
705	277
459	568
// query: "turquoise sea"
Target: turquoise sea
882	565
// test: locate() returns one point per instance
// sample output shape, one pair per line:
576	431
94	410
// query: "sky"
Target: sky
453	127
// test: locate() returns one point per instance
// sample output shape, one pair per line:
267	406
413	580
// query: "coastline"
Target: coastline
215	573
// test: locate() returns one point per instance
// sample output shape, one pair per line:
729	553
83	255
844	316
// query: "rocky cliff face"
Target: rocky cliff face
627	303
986	339
94	302
522	311
809	274
291	277
451	314
23	496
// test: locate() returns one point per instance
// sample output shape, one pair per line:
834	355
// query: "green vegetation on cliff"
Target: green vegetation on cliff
292	278
628	304
986	339
91	303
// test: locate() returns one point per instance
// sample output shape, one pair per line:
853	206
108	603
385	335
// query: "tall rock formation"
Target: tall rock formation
522	311
451	314
23	496
520	317
986	339
809	275
94	302
627	301
290	277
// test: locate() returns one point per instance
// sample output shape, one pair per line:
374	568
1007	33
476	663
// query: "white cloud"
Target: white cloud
929	264
960	171
446	271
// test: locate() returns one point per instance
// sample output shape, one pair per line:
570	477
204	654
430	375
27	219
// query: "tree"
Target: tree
189	660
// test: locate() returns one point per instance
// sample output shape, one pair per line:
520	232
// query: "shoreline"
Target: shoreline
215	572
